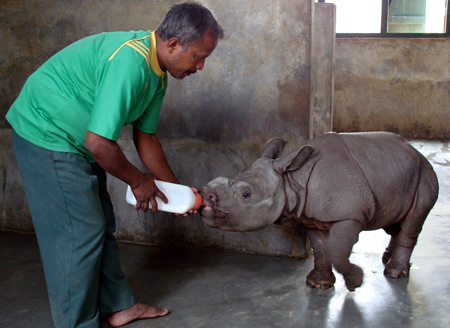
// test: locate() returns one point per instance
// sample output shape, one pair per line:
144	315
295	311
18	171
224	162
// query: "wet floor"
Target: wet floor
216	289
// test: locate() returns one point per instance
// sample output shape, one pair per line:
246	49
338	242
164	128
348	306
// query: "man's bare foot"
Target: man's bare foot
137	311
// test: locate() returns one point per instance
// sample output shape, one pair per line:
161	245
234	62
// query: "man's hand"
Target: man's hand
110	157
146	192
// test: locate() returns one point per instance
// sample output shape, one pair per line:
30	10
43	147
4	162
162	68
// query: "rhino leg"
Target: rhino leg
343	235
388	251
398	253
392	231
404	241
398	266
322	275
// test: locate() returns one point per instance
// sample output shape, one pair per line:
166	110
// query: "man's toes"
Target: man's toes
158	312
137	311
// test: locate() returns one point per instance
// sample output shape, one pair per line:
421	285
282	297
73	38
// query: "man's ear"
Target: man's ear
172	44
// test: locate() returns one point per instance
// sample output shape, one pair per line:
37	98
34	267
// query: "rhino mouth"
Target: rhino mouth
213	216
216	212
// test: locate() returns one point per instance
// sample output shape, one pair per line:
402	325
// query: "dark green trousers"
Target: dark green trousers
74	223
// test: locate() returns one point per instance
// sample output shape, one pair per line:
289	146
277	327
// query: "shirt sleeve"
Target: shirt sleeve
119	82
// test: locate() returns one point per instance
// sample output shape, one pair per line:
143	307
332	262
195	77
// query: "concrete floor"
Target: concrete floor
217	289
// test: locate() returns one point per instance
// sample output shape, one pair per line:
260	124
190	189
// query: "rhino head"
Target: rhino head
255	198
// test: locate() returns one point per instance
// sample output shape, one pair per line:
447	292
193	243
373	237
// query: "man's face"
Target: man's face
181	63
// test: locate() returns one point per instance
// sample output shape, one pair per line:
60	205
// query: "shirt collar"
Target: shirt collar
154	60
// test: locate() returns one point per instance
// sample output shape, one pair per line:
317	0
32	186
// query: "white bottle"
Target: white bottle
181	198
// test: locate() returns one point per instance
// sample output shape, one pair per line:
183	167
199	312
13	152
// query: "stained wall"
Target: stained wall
256	85
260	82
397	85
322	68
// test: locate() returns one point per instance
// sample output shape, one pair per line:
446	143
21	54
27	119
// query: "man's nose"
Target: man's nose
200	64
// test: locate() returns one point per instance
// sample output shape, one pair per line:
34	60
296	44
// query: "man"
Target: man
66	122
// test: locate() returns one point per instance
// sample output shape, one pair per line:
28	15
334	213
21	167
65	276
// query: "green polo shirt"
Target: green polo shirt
100	84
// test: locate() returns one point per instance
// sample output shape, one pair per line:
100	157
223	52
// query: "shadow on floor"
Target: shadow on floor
216	289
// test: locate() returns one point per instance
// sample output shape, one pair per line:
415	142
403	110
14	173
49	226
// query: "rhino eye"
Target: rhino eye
246	195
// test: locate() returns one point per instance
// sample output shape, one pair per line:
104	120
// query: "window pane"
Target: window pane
407	16
417	16
403	16
436	16
357	16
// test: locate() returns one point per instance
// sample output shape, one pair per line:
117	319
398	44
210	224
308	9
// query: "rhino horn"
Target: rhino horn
293	160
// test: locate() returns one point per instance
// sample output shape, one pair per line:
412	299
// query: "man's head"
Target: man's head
190	34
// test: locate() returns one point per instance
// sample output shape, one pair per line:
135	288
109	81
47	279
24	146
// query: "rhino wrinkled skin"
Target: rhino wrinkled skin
335	186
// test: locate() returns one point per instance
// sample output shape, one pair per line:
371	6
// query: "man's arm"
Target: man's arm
152	155
110	157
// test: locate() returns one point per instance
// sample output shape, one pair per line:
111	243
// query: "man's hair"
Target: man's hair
188	22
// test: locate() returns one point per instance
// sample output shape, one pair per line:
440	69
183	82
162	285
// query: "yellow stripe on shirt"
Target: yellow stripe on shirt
134	41
145	55
149	55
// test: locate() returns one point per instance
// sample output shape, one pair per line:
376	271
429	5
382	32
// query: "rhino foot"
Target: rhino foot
398	266
316	279
353	278
396	270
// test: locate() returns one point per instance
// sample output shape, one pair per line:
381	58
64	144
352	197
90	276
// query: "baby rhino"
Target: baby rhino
335	186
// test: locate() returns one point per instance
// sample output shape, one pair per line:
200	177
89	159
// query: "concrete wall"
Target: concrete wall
256	85
398	85
322	68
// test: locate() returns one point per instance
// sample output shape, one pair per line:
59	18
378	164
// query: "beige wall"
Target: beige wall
398	85
322	69
255	85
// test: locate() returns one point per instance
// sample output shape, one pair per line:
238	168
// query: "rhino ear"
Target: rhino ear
292	161
273	148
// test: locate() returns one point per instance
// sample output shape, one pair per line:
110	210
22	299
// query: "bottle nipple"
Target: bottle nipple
198	201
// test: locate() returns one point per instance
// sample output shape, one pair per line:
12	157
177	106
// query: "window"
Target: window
391	18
